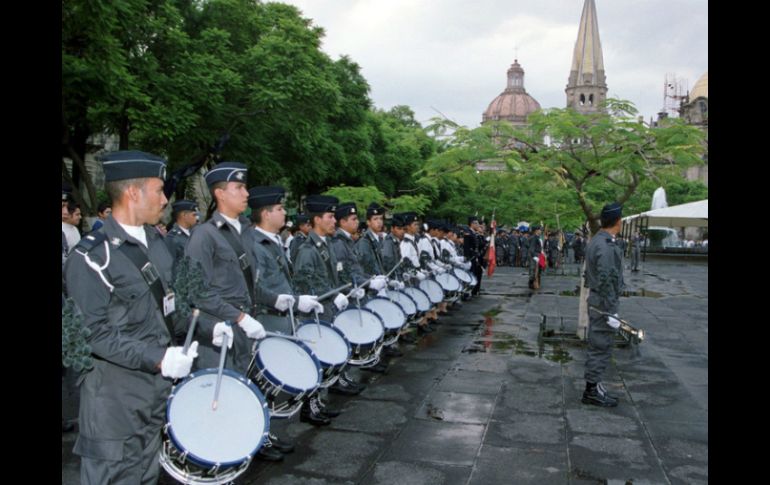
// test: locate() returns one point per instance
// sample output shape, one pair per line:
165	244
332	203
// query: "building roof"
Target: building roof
701	88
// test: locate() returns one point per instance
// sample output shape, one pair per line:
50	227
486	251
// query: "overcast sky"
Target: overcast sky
452	55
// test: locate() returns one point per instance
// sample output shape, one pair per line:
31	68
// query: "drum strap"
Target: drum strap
242	259
151	277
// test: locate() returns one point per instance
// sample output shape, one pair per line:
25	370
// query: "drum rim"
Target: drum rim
424	294
461	270
277	382
379	319
406	317
324	323
416	310
250	385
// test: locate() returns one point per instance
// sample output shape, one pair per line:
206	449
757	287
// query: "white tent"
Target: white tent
693	214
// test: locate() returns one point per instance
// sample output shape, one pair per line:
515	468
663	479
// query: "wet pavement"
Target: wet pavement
483	400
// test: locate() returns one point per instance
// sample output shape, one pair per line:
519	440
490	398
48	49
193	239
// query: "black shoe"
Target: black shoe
354	384
599	397
392	352
268	453
282	446
380	368
329	412
407	338
311	413
344	387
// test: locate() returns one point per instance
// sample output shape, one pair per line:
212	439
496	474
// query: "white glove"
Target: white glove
613	321
378	282
175	364
357	293
467	266
421	276
341	302
253	328
284	302
221	329
537	260
308	303
396	285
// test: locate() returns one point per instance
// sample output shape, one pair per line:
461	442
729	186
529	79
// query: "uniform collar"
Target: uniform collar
116	235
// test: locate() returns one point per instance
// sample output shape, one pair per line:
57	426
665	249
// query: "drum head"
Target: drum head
462	275
433	289
228	435
406	301
419	297
289	363
392	314
330	348
361	327
448	282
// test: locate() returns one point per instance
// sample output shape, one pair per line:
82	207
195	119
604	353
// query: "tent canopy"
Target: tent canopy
692	214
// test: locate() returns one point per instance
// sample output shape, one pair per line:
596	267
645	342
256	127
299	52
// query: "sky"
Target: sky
451	56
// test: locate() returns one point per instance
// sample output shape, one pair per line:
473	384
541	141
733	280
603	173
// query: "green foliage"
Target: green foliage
188	286
362	196
75	351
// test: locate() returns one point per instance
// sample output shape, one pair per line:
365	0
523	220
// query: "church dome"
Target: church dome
513	104
701	87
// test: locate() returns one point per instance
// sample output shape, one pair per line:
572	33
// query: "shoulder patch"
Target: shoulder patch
90	241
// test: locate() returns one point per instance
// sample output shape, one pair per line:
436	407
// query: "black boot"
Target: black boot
596	394
280	445
392	351
408	338
328	411
380	368
344	387
268	453
311	413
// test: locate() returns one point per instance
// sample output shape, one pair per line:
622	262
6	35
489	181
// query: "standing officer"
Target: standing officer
185	216
604	278
473	251
636	247
119	279
535	247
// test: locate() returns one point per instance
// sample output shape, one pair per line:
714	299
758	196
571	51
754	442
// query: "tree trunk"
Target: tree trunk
582	328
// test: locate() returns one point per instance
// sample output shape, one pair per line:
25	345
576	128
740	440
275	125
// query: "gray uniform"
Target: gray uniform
274	278
534	248
315	271
345	251
368	248
176	240
299	238
226	294
391	254
123	398
604	278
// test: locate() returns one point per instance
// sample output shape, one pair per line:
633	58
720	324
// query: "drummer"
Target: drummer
223	247
123	397
391	255
273	291
316	271
411	254
433	257
369	252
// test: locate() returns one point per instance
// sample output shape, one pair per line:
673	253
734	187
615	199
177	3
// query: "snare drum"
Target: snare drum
365	331
285	371
407	302
331	348
204	446
392	315
433	289
420	298
450	284
464	276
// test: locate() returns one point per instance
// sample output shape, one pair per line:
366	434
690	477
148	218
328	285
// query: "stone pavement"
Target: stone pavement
483	401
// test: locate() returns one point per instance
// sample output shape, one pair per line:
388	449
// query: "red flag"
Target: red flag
491	254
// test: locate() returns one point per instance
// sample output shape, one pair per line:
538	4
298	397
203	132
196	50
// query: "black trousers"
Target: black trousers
477	271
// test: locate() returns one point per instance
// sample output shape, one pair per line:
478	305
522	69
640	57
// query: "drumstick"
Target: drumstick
318	322
291	318
334	291
358	305
191	330
222	355
289	337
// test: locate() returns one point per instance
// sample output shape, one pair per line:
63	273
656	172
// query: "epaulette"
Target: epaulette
87	243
